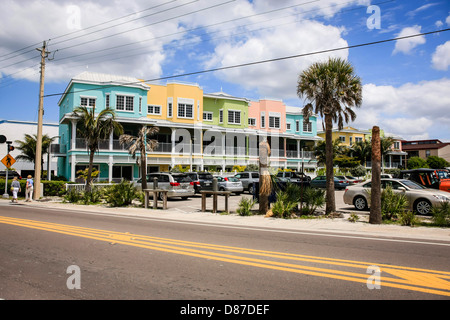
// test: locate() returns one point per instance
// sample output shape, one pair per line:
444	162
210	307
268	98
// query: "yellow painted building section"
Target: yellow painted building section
177	95
347	135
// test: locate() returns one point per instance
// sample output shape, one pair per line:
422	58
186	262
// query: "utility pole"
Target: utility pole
38	160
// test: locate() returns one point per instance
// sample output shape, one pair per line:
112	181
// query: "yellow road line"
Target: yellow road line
406	278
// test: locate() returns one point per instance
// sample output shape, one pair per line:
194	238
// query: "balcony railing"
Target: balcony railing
166	147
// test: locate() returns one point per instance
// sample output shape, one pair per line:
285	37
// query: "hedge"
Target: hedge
51	188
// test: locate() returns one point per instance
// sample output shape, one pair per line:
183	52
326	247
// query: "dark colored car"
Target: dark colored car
11	174
429	178
202	180
321	182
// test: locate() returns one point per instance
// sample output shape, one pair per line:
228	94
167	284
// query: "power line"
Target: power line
266	61
76	31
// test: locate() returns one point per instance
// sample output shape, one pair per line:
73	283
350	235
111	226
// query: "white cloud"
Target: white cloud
441	57
411	110
447	20
279	78
408	44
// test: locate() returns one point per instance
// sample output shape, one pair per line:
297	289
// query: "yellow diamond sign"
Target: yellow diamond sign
8	160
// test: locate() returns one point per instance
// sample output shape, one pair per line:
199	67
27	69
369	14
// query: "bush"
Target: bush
245	206
91	197
72	196
312	199
121	194
284	206
392	204
359	171
416	162
441	215
408	218
54	188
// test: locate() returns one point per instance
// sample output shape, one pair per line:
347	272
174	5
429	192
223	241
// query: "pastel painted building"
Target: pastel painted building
347	135
127	97
196	129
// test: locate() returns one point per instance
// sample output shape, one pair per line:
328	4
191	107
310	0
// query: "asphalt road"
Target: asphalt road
47	253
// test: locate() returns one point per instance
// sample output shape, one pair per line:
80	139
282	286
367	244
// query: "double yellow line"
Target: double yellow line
415	279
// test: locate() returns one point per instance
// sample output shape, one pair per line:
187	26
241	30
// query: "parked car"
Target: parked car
11	174
177	184
248	179
230	184
429	178
352	180
201	180
292	176
420	199
386	176
321	182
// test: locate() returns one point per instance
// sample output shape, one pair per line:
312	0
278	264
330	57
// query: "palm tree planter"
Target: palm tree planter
94	129
332	89
141	143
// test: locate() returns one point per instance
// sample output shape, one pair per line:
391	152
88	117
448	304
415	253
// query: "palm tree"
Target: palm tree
362	150
332	89
141	143
28	148
386	146
94	129
319	150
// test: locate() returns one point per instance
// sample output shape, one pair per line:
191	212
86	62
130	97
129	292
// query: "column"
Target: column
110	168
74	134
72	167
173	134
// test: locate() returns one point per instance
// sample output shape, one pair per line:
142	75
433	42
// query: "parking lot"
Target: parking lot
193	204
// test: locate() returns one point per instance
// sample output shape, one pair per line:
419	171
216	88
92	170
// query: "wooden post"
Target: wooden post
375	194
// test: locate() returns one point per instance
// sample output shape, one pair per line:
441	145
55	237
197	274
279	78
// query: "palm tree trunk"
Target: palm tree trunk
330	198
375	192
89	174
143	168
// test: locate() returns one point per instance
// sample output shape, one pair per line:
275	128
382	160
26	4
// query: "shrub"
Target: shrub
72	196
90	197
284	206
54	188
441	215
353	217
359	171
312	199
392	204
245	206
121	194
408	218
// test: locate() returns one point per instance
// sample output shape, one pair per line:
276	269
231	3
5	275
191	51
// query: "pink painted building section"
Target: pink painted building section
269	115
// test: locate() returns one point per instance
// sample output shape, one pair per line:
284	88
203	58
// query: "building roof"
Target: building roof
223	95
105	80
423	144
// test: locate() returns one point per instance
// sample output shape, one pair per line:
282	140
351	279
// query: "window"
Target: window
252	122
342	138
154	109
140	104
87	102
263	120
274	122
185	110
220	116
107	100
125	103
288	126
427	153
297	125
234	117
169	107
307	126
207	116
358	139
397	145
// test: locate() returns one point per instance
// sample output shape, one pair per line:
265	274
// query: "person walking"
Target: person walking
15	187
29	189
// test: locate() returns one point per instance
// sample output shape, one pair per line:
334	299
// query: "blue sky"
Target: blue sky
406	82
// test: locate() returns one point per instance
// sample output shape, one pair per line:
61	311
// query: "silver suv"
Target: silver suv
177	184
248	180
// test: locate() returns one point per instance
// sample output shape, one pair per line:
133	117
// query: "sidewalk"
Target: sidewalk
342	226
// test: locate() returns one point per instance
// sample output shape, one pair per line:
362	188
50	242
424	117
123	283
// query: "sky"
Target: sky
406	83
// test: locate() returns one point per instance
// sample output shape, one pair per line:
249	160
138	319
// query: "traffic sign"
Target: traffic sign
8	160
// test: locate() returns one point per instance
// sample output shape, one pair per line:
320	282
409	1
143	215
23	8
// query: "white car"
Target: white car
420	199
